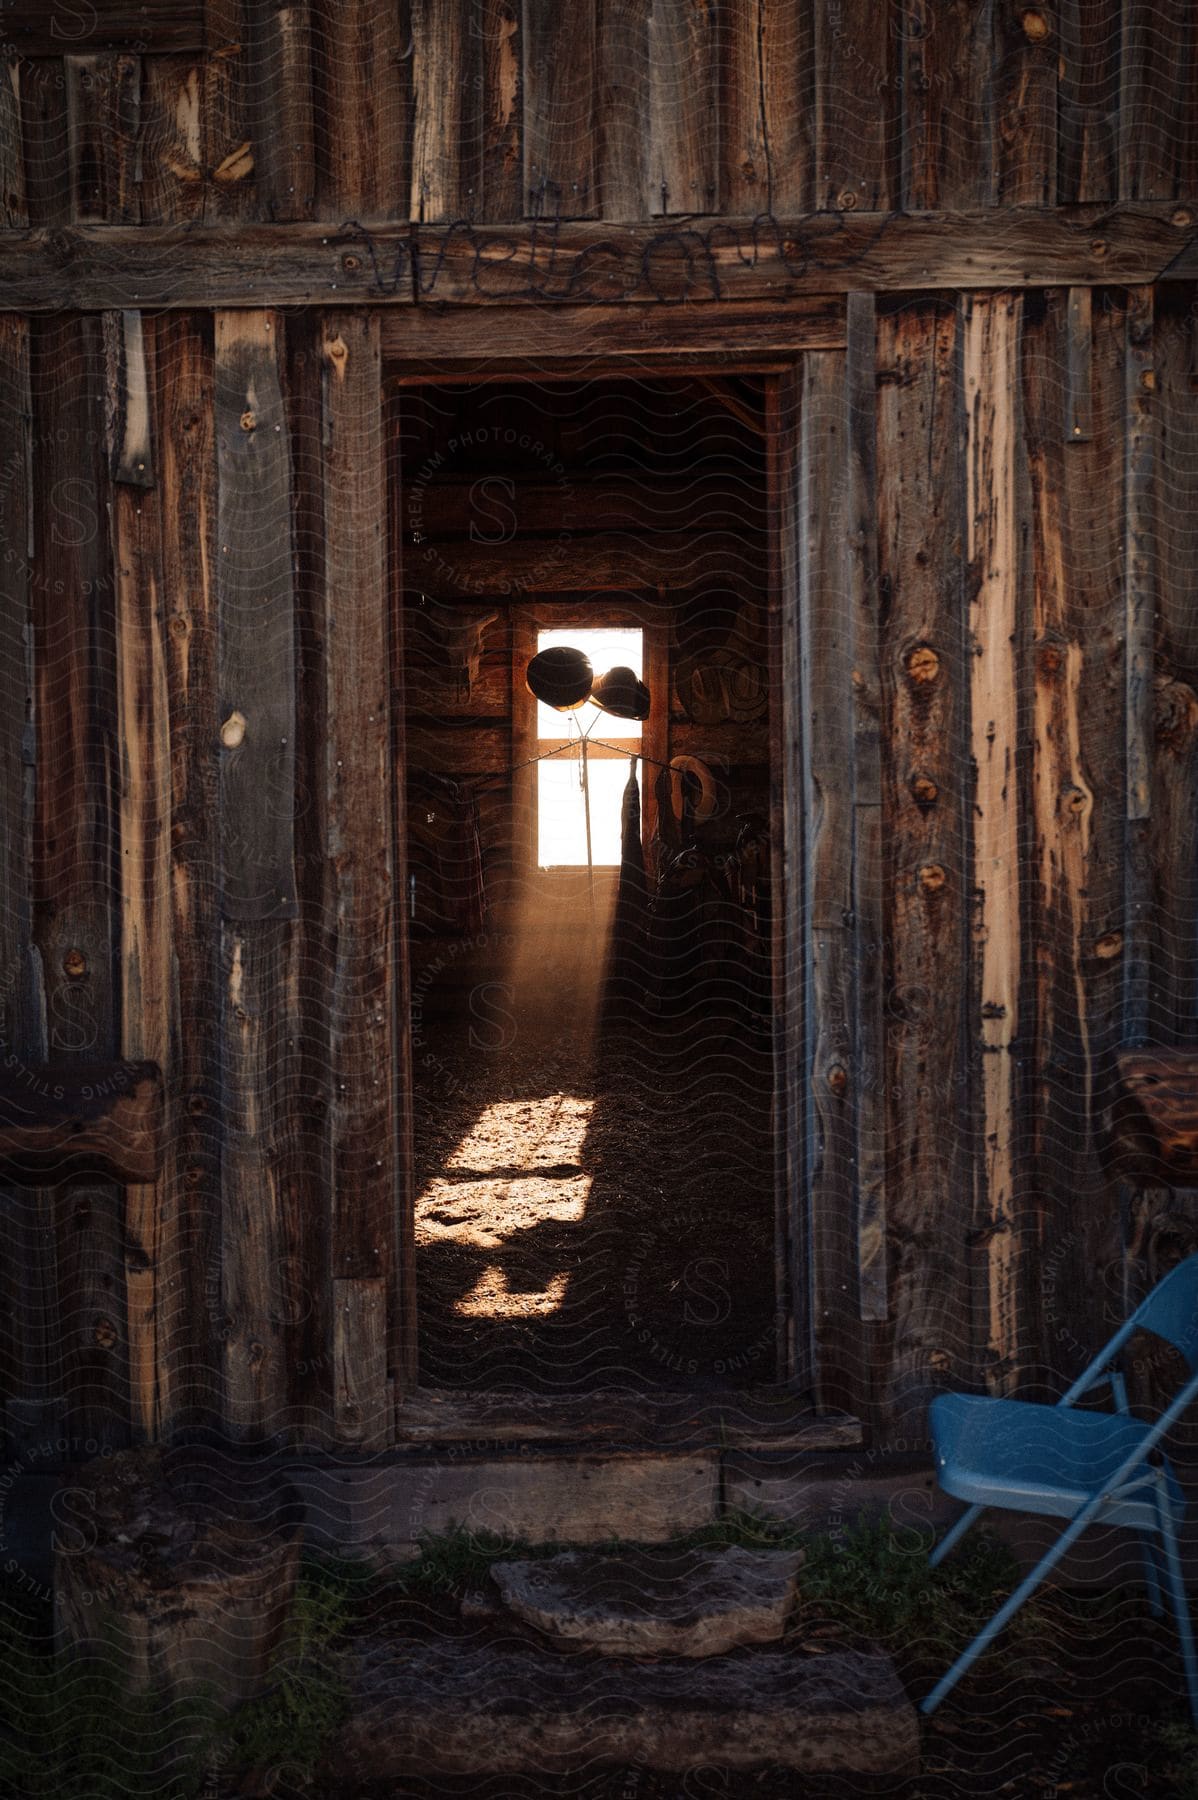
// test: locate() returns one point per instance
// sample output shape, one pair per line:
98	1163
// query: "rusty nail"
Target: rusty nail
351	263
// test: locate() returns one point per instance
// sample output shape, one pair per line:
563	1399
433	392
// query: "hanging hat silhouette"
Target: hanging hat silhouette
561	677
622	693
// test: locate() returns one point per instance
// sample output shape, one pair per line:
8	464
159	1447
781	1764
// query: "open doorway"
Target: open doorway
592	1101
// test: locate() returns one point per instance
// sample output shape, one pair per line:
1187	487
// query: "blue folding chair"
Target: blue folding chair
1087	1466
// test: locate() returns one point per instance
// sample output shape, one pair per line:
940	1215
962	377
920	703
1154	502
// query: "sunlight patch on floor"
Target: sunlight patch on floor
525	1134
492	1298
485	1214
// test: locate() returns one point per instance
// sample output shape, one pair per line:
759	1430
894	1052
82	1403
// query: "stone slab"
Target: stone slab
655	1602
456	1708
386	1506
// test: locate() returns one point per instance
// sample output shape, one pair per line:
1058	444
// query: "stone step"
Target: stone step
456	1707
654	1602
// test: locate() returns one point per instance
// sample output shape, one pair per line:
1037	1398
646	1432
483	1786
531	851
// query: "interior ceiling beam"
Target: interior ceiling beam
699	262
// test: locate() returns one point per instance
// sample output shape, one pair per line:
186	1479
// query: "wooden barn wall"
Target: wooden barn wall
992	540
497	111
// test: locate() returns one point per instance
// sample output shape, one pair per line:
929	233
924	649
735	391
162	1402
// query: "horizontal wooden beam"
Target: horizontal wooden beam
768	261
57	1122
565	563
419	335
67	28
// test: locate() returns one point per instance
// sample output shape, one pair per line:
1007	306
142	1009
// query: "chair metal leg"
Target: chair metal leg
953	1536
1181	1605
1006	1611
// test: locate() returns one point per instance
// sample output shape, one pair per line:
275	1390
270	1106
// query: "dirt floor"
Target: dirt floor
595	1208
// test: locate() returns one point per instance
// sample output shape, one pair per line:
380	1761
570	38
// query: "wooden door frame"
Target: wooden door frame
822	1344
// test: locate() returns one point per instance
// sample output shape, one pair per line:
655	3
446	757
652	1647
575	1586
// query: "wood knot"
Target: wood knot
104	1333
923	665
1051	659
1148	381
838	1079
846	201
1098	247
932	878
1182	217
194	1176
1077	799
232	732
249	421
924	790
336	349
74	964
180	624
1109	945
1035	27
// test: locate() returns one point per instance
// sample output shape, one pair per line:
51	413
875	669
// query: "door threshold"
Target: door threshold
761	1418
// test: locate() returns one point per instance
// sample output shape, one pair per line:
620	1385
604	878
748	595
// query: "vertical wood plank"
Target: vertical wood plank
767	110
1158	101
14	214
623	53
362	1021
947	122
924	670
26	1271
502	120
1079	356
151	1260
260	961
230	154
44	129
361	110
1139	573
830	1061
75	705
172	183
560	62
855	52
869	1072
1174	799
281	95
361	1411
257	643
684	119
1027	53
103	113
1074	885
192	1327
444	168
990	350
1088	100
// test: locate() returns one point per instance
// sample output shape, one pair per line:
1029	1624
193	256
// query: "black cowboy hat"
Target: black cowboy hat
561	677
621	693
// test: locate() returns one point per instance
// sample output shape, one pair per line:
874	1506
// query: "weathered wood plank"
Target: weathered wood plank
608	560
44	130
154	27
684	114
191	1328
856	58
501	125
14	214
454	508
103	119
257	637
623	149
869	1048
1158	101
144	825
990	351
1079	356
830	1062
172	185
560	49
362	1120
444	172
1174	797
947	104
228	126
361	110
423	334
924	674
282	130
362	1412
1154	1117
1088	100
1139	575
1073	902
1026	56
769	261
74	638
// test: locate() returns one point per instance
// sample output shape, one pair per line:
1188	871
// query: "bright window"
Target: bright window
561	816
